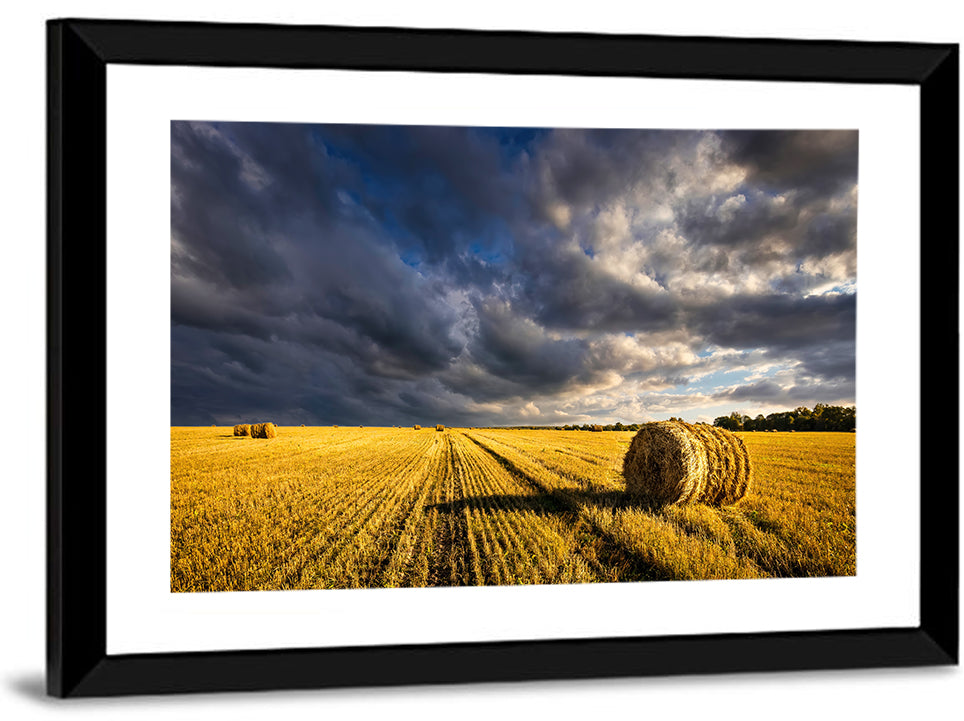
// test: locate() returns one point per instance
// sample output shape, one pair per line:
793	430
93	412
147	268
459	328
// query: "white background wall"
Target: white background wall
916	693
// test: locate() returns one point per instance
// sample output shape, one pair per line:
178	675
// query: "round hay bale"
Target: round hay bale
729	463
673	462
243	429
665	463
302	425
440	427
418	428
264	430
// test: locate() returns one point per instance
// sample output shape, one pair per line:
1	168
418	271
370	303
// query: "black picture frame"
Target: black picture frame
77	56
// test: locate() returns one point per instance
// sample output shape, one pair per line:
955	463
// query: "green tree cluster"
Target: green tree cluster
821	418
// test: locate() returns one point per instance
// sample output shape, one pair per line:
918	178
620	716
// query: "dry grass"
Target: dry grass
350	508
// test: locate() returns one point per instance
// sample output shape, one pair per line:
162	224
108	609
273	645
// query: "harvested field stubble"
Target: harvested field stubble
673	462
322	507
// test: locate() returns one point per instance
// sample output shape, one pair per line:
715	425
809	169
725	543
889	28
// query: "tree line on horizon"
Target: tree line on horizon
821	418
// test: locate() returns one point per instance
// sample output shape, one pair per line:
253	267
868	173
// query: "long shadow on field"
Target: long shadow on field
610	559
539	503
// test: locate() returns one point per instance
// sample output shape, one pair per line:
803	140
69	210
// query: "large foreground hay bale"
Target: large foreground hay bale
263	430
673	462
243	429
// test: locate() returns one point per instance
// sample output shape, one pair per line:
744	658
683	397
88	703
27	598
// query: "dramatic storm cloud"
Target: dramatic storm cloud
384	275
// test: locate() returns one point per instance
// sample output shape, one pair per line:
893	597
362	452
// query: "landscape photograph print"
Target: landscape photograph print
421	356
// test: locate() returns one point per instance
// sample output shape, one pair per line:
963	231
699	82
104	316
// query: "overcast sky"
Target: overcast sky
384	275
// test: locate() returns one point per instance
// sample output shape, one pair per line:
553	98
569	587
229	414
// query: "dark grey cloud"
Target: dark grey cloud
394	274
222	238
829	233
770	393
819	332
585	168
820	162
710	221
568	291
778	321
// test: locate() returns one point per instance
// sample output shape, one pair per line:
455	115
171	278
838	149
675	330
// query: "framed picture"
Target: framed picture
334	314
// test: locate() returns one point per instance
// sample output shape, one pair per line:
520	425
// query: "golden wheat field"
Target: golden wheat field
331	507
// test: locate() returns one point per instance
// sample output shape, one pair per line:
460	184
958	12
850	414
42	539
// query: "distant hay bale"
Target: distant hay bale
596	429
673	462
440	427
263	430
244	429
418	428
302	425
